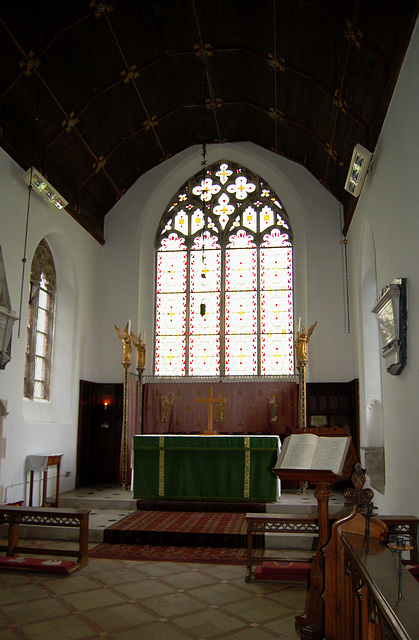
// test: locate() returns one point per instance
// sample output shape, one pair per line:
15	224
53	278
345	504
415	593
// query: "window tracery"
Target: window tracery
224	295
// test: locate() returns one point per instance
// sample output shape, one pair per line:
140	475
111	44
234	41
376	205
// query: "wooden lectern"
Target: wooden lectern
311	624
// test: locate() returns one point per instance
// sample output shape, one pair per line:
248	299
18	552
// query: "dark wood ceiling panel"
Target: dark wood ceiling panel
97	92
171	83
113	115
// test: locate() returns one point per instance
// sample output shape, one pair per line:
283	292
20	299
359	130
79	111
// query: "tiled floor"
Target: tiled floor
125	600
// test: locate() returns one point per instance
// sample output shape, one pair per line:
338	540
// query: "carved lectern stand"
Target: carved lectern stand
311	623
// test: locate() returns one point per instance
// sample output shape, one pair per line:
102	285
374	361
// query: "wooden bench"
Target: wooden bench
261	523
15	516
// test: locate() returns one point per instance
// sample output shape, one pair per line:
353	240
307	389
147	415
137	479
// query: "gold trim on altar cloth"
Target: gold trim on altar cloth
246	492
161	466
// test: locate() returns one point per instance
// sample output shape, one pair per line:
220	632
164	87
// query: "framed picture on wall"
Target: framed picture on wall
391	311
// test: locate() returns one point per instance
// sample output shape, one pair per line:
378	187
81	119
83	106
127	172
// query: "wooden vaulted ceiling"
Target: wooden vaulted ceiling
94	94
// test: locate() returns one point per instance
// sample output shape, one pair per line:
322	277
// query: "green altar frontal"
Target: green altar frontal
205	467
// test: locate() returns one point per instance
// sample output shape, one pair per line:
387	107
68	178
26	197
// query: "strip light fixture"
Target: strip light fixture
44	188
358	170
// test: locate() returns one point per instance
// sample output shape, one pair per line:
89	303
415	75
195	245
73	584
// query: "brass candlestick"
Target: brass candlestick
301	351
125	337
140	370
400	545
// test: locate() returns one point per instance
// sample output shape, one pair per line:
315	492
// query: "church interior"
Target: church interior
117	108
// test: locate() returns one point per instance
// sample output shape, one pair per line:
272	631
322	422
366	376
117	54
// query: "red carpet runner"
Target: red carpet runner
177	536
178	528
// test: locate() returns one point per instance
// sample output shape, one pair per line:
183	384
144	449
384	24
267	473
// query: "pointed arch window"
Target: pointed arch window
40	329
224	294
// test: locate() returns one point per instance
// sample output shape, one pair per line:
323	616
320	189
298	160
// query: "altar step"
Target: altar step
109	504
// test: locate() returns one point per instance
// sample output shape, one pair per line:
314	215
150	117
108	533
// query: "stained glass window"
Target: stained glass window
224	296
40	325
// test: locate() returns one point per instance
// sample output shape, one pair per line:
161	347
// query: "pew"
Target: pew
14	516
306	524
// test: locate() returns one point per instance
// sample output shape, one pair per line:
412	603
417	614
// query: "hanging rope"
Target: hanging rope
25	244
22	284
345	261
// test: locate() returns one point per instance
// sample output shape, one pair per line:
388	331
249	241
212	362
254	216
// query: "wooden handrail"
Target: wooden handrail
361	593
377	571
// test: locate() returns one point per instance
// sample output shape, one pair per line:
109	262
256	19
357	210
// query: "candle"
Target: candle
299	325
129	327
144	336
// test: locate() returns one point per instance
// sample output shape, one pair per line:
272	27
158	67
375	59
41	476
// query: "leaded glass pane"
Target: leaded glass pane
204	313
205	274
170	355
276	354
241	312
276	239
39	368
241	188
241	269
224	173
42	321
250	219
43	300
172	242
40	344
181	222
171	271
224	209
197	221
38	390
241	355
275	311
171	313
204	355
266	218
275	269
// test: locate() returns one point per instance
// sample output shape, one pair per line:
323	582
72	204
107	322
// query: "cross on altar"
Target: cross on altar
211	401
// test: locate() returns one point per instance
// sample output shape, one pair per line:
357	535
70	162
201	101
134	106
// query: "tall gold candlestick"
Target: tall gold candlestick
140	369
301	348
126	363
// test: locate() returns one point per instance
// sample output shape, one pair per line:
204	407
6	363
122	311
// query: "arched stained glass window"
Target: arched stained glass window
40	328
224	295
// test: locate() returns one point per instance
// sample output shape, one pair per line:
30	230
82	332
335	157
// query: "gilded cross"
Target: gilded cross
211	401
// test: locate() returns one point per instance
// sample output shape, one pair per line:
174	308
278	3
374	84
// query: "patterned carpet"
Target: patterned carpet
148	504
177	536
180	528
161	553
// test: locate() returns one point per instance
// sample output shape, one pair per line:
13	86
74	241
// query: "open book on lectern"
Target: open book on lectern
308	451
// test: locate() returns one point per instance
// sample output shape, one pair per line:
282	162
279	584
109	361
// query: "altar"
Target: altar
195	467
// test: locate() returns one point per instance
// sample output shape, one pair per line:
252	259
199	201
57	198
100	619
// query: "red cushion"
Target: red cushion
36	564
283	571
415	571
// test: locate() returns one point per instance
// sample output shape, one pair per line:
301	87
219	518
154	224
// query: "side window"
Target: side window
40	330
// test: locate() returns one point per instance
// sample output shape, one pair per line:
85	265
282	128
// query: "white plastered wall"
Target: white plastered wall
389	202
38	427
319	275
